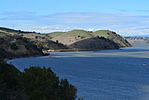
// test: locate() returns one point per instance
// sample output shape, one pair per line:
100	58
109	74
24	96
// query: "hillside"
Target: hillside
17	43
96	43
16	46
113	37
40	40
21	43
72	37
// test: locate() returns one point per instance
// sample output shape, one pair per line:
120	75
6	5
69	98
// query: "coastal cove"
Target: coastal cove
100	75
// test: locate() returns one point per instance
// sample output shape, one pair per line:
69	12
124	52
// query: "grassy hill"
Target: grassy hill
16	43
41	40
58	40
70	37
74	36
113	37
102	33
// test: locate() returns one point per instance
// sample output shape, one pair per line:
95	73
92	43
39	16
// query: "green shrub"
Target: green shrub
13	46
43	84
10	86
34	83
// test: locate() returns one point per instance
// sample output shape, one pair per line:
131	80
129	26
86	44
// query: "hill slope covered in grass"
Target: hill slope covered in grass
74	36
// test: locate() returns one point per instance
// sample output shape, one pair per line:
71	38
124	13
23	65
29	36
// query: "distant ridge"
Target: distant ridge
13	30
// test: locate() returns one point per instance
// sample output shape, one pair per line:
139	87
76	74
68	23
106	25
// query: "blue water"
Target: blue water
102	75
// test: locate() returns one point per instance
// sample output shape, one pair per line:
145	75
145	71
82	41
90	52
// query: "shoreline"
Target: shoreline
17	57
78	50
62	50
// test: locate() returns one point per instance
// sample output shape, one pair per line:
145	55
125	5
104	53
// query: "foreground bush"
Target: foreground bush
10	84
34	83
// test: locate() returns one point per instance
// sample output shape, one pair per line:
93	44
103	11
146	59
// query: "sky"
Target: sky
126	17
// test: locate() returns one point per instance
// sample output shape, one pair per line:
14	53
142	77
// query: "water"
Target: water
103	75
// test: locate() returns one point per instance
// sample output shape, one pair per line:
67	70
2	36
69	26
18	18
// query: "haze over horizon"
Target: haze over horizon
125	17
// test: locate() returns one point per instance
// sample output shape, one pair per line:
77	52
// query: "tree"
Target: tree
67	90
57	41
43	84
34	83
10	87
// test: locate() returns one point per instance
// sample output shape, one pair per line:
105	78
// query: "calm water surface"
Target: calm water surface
102	75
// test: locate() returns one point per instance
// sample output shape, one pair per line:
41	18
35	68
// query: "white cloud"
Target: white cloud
124	24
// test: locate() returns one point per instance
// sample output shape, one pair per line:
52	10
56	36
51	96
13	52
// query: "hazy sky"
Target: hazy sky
127	17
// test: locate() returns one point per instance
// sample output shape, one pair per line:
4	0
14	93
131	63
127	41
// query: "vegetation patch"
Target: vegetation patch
34	83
